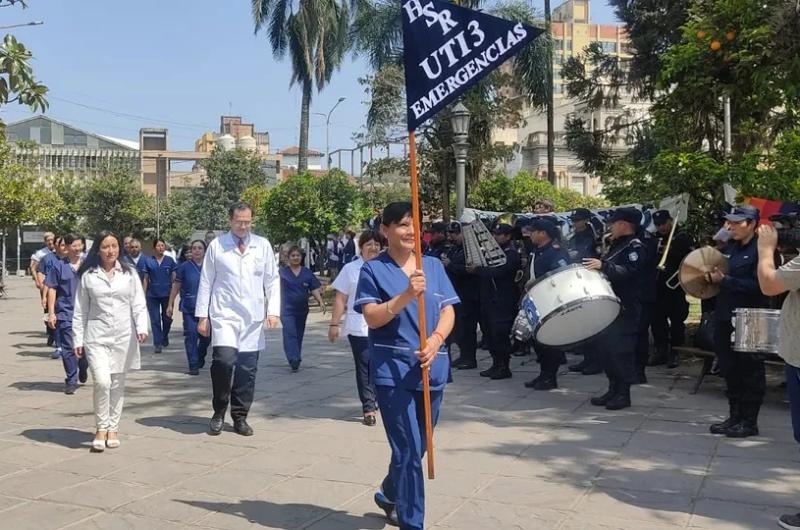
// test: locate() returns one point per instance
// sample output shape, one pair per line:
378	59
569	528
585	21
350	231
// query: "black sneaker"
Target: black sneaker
70	389
157	349
241	427
500	373
216	424
388	508
790	522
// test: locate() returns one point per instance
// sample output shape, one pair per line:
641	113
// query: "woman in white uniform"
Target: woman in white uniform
109	323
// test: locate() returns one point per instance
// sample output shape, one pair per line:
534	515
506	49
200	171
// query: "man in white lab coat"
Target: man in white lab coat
239	275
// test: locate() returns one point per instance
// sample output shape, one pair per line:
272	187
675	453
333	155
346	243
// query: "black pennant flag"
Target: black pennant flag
449	48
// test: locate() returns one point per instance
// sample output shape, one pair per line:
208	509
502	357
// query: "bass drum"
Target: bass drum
570	305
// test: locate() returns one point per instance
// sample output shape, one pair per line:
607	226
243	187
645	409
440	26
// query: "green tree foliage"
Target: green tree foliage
115	201
177	213
307	206
67	191
17	82
316	35
229	173
519	194
22	198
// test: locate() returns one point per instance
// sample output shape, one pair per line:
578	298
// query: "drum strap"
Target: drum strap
620	251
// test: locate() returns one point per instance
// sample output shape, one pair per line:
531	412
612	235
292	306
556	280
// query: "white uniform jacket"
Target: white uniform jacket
108	316
233	290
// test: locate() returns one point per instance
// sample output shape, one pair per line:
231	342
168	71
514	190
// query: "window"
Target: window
609	47
578	184
558	59
568	44
558	88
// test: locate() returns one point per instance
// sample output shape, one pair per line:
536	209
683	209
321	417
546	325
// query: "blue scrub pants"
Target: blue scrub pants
196	344
58	338
293	327
793	389
75	369
403	417
159	321
366	390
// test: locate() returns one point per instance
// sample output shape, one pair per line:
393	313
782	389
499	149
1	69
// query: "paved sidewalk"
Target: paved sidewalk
506	457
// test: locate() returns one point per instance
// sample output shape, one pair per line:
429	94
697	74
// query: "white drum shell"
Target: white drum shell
571	305
756	330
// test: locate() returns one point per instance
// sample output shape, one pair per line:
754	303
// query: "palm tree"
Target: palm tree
316	35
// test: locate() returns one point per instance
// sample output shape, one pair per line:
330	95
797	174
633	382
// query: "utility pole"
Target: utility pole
328	133
551	148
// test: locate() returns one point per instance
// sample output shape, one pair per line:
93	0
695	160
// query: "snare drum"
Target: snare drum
570	305
756	330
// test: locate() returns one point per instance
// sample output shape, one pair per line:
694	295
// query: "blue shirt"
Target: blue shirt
159	275
740	286
47	263
393	359
64	279
188	275
549	258
295	290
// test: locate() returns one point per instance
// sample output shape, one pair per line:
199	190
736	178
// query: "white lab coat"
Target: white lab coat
109	314
233	290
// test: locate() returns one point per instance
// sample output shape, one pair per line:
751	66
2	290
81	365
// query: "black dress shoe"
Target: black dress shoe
468	365
577	367
618	402
490	371
532	382
602	401
501	373
592	369
216	424
723	426
743	429
241	427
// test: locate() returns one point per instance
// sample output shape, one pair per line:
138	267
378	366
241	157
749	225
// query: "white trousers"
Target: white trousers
109	393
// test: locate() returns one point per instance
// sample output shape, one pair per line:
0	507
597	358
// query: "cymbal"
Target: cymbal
692	274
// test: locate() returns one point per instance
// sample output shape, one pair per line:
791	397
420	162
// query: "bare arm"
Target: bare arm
317	294
146	282
51	307
378	315
173	294
768	279
339	307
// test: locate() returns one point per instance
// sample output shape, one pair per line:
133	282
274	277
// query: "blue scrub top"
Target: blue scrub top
64	280
160	275
296	289
188	275
47	263
393	359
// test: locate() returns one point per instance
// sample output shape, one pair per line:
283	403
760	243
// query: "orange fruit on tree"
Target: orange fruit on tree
715	45
730	35
701	35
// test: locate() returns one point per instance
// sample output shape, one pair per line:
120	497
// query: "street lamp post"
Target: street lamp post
328	133
459	119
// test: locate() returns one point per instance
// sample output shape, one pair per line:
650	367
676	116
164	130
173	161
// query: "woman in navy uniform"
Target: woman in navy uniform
744	372
387	297
623	264
548	256
157	273
297	283
186	281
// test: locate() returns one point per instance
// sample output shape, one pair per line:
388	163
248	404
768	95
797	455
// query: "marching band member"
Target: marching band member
744	372
549	256
387	297
672	309
622	264
647	287
468	312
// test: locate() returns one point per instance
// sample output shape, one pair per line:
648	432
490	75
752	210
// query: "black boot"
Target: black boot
592	368
748	426
734	417
659	357
622	398
674	359
503	371
578	367
602	401
491	370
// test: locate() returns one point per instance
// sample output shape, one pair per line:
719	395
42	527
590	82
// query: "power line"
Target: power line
133	116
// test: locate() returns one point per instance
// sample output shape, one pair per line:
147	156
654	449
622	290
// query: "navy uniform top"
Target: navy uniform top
436	251
462	280
64	279
48	262
584	244
349	251
393	359
498	290
649	276
623	265
739	287
681	246
188	275
548	258
295	290
159	275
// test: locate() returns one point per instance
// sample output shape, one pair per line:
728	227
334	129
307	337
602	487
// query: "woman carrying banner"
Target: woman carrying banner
387	297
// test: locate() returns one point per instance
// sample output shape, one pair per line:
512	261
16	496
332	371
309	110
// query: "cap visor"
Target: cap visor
735	218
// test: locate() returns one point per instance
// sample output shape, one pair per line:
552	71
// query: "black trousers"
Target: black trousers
233	379
643	338
744	372
467	318
668	318
616	348
549	360
366	390
499	335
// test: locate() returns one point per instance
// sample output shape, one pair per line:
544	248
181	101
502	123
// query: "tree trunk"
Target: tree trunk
302	157
551	148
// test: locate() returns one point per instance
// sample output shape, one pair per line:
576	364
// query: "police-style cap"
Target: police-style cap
581	214
743	213
438	228
503	229
544	225
455	227
661	217
629	215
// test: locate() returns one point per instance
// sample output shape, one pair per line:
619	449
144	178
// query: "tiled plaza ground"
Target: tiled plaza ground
506	457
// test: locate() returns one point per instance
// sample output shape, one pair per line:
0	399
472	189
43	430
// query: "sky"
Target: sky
113	67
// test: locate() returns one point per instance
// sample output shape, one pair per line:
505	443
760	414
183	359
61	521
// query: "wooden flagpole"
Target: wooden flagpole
423	338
